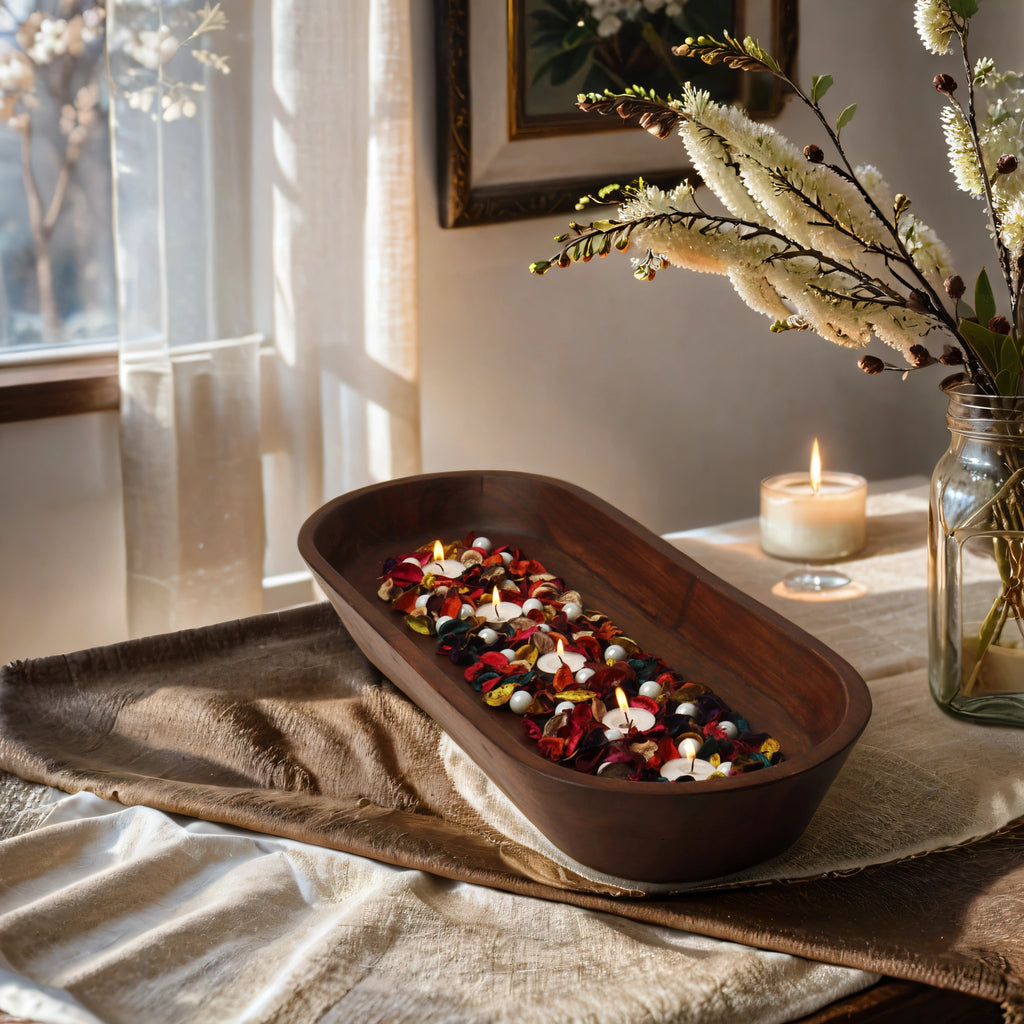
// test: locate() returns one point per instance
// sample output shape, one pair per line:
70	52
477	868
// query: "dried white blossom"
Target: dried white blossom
16	72
153	49
1012	227
930	254
963	160
934	23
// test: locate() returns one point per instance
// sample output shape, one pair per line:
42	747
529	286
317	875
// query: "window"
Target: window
57	284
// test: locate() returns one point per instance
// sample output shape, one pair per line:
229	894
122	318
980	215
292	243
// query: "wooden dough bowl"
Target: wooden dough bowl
779	678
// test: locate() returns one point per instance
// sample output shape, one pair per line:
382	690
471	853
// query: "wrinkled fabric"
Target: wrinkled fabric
120	914
278	724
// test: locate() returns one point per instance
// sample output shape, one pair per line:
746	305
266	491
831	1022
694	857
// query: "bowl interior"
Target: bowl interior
779	678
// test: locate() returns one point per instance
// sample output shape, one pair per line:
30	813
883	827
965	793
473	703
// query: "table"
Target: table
424	909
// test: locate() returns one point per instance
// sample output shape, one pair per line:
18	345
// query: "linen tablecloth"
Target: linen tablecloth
278	724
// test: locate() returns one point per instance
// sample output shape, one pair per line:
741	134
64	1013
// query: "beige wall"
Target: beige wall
669	399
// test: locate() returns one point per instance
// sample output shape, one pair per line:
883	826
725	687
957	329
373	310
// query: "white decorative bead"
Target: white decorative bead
488	635
412	561
615	652
544	627
583	675
572	610
483	544
688	709
650	689
730	730
506	557
465	610
442	620
531	604
421	601
611	735
510	655
520	701
565	705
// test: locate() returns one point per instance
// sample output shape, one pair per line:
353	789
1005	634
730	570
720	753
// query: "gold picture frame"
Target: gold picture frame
493	168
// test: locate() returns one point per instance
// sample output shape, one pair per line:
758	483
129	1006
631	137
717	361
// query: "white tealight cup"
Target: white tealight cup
625	719
550	663
800	524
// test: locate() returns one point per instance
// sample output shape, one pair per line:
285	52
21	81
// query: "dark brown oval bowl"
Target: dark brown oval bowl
780	678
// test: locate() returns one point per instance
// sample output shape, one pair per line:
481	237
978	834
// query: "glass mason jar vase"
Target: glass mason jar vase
976	559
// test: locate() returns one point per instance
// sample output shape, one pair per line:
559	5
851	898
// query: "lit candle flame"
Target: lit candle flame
689	750
621	697
438	551
815	468
495	599
560	649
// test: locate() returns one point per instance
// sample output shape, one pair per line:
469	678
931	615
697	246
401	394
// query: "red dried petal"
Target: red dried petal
563	679
405	574
551	746
406	602
667	749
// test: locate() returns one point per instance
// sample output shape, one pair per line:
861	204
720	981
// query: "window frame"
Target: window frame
35	388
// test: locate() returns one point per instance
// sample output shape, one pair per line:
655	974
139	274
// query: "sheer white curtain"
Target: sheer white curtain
266	259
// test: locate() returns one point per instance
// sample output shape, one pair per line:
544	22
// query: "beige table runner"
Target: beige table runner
278	724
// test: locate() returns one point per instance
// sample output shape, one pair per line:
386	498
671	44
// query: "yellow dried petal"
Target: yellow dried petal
770	747
418	624
500	695
527	653
577	696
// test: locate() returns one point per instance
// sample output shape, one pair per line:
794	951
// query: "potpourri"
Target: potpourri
563	712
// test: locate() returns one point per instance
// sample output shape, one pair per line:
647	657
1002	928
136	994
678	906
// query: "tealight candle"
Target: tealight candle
696	768
691	765
820	517
551	662
624	718
441	566
498	610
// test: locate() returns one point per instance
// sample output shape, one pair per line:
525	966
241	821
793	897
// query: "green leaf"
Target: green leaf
990	348
1006	382
984	301
820	84
965	8
846	117
1009	356
575	36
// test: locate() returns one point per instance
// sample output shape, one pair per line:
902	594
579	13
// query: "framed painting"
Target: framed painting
511	142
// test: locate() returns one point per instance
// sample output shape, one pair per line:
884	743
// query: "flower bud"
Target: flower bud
919	356
1006	164
945	83
871	364
955	287
814	153
951	356
916	300
999	325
